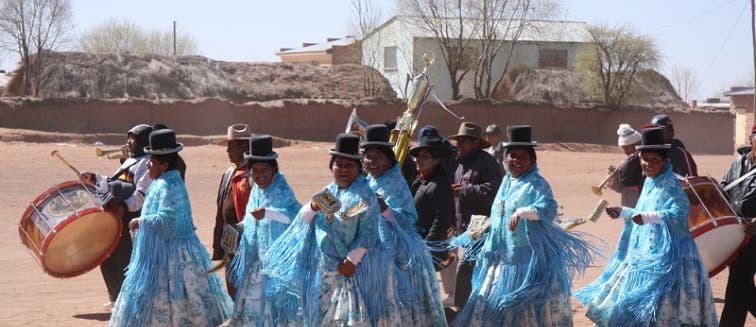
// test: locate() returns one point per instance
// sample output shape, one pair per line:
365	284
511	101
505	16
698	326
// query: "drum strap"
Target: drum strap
121	171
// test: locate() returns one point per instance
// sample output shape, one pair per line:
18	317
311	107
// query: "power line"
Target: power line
695	17
724	42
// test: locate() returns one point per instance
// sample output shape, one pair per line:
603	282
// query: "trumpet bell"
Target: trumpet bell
596	190
120	153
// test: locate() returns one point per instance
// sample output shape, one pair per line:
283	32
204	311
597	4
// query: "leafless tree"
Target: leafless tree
448	21
366	16
611	60
29	27
115	36
684	81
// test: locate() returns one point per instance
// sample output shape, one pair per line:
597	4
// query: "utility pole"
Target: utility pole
174	37
753	44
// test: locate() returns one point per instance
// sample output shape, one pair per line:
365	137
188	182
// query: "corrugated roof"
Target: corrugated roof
747	91
320	47
534	30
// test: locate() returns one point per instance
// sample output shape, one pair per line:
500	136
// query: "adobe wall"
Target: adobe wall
702	132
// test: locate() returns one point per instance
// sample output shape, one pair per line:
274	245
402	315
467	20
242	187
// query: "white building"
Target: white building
396	49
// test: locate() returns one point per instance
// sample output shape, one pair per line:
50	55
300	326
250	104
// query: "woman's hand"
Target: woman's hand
346	268
613	212
513	221
258	213
314	207
638	219
134	224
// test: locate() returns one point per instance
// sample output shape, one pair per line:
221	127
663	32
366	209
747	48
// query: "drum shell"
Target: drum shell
74	241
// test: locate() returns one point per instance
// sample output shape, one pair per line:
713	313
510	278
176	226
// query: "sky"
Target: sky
712	38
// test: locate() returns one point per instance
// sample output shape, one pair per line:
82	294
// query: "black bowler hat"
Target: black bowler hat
661	120
347	145
163	141
520	135
431	142
377	136
653	139
261	148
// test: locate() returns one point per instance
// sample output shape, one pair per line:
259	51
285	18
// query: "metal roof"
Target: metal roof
748	91
320	47
533	30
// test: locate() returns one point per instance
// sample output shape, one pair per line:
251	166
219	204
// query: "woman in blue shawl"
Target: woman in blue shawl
270	209
526	264
655	277
321	258
412	277
166	282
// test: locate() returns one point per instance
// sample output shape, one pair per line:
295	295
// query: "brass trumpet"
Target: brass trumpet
120	153
598	189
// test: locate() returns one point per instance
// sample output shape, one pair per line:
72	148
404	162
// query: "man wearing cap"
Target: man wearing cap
682	162
493	136
740	295
233	191
628	180
133	171
476	182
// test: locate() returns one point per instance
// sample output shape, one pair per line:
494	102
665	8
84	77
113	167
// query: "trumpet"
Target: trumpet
598	189
120	153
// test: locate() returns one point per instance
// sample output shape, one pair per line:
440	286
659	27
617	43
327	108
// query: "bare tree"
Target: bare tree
29	27
115	36
501	24
611	60
448	21
684	81
366	16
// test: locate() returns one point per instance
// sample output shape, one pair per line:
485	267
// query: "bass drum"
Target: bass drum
67	231
717	230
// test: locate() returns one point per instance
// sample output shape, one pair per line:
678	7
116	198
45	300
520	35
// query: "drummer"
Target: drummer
134	171
740	295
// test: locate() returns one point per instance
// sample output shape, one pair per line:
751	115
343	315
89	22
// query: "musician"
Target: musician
656	276
134	171
476	181
682	162
233	192
493	136
628	180
167	283
412	263
740	295
525	269
271	207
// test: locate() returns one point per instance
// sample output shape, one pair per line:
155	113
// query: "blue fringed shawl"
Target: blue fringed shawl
538	259
650	262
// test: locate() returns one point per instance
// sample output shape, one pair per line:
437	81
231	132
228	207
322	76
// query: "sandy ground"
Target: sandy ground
30	298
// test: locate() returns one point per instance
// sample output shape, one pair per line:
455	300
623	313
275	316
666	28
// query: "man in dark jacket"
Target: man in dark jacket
740	295
233	191
476	181
682	162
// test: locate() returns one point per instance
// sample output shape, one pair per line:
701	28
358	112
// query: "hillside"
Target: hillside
111	76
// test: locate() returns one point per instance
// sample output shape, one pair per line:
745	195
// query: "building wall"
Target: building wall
347	54
525	53
394	34
702	132
744	104
323	59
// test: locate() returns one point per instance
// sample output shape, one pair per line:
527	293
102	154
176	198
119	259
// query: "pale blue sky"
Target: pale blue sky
711	37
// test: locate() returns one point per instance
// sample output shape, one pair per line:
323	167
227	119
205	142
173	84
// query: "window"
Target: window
389	58
552	58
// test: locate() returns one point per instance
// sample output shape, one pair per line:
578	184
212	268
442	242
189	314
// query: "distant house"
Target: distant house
334	51
396	49
741	104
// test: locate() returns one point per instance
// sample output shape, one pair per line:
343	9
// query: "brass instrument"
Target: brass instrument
55	154
407	122
597	189
121	153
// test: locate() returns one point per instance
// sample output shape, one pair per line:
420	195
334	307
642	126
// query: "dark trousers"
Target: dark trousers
113	268
740	296
463	283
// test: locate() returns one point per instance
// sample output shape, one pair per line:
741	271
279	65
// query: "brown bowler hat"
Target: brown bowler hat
473	130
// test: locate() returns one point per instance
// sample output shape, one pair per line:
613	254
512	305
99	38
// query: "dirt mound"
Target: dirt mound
109	76
564	88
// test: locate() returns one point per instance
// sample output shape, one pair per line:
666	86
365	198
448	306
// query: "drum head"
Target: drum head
719	244
82	244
